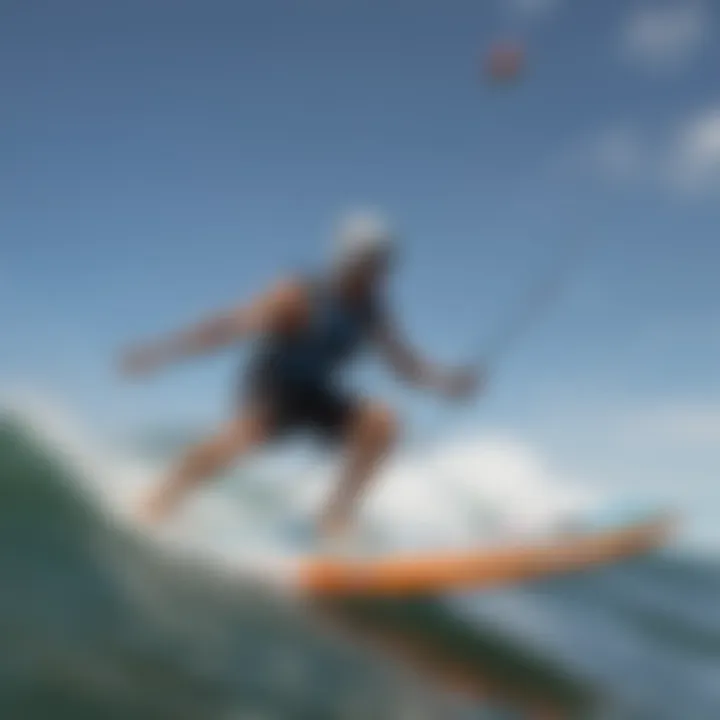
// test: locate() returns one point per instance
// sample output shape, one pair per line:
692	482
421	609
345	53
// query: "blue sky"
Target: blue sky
162	159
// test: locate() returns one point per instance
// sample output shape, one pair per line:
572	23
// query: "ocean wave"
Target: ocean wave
97	622
96	617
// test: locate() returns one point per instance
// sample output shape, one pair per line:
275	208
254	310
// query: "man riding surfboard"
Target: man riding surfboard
306	332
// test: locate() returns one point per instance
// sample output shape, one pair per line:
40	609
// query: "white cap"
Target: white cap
362	236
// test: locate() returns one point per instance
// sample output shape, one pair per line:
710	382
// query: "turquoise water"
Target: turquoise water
95	625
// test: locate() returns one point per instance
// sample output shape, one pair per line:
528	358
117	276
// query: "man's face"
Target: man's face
366	275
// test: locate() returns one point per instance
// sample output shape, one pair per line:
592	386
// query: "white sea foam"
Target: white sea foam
456	493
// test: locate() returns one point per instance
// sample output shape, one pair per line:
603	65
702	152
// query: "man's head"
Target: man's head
364	250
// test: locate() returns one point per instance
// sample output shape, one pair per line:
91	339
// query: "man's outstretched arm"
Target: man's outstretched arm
412	368
280	309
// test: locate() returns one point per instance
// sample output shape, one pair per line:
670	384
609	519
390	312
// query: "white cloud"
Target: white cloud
667	35
684	159
695	152
619	152
533	8
679	425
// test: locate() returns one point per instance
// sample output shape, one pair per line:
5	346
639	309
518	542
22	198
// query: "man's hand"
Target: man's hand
141	361
463	383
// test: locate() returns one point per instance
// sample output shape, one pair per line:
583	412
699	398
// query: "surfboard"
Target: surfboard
443	572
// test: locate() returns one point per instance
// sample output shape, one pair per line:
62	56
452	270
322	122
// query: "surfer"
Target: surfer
306	332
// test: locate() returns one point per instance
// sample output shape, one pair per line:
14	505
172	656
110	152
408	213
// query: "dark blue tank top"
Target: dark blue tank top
335	332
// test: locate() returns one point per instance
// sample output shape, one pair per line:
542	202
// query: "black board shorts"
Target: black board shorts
322	409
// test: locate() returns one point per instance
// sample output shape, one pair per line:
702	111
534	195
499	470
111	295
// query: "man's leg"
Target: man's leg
205	460
371	436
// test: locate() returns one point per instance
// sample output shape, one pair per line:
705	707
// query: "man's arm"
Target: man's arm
281	309
408	365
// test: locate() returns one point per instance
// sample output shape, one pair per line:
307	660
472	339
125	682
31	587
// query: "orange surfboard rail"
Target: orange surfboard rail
479	568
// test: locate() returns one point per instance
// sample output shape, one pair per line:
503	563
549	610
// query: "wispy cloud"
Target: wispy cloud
665	36
697	424
681	424
616	153
533	8
695	153
683	159
619	152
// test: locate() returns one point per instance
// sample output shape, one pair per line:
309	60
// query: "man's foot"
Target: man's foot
152	510
338	539
342	547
